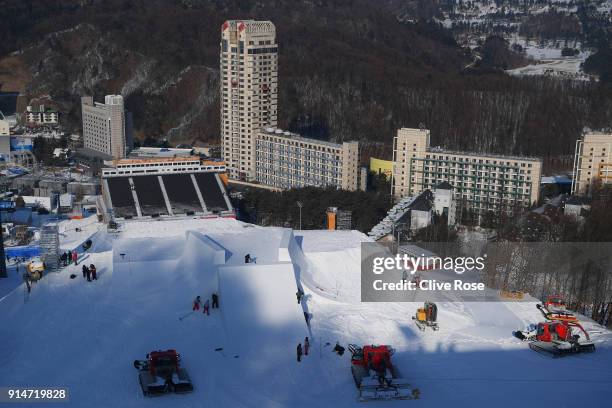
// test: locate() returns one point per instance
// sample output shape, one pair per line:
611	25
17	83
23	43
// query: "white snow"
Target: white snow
85	335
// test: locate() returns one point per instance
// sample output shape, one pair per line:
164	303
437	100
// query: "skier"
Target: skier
299	352
74	257
215	301
196	303
94	272
247	258
206	307
85	270
306	346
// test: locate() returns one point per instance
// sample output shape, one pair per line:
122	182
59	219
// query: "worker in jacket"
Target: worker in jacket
215	301
299	352
196	303
85	271
94	272
306	346
206	307
74	257
299	295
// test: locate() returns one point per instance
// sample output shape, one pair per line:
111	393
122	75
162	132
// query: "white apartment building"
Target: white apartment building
482	182
41	117
592	161
104	125
286	160
249	70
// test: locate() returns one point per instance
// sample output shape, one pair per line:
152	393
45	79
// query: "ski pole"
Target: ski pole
185	315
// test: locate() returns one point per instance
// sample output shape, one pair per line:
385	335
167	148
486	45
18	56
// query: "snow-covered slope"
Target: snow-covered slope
85	335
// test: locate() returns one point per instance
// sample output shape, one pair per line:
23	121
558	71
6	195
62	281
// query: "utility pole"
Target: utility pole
300	205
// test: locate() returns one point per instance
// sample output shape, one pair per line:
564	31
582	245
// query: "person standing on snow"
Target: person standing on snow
247	258
88	274
196	303
299	352
299	294
94	272
215	301
75	257
306	346
206	308
85	271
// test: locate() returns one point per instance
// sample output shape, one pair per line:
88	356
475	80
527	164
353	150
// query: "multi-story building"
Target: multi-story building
249	65
592	161
104	125
41	117
286	160
481	182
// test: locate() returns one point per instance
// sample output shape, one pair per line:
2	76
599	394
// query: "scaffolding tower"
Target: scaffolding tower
49	246
343	219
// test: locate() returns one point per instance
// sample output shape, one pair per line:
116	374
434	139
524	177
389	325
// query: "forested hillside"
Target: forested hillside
349	69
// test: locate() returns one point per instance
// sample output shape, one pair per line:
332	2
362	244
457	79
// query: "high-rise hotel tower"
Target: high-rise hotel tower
249	72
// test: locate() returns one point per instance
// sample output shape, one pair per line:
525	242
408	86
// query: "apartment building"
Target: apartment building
249	70
592	162
104	125
42	116
286	160
481	182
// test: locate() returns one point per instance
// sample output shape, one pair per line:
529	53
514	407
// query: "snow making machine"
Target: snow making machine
375	377
557	338
427	316
35	269
161	373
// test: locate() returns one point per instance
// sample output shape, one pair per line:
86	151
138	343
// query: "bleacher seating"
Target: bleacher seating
181	193
122	198
212	194
150	196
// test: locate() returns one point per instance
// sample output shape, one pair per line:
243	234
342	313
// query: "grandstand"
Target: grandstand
178	187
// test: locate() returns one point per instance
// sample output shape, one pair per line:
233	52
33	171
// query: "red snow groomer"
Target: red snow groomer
555	302
554	308
557	338
161	373
375	377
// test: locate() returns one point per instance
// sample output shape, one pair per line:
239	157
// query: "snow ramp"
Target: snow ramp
260	309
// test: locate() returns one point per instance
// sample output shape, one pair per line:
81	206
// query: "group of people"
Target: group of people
197	304
303	350
69	257
90	272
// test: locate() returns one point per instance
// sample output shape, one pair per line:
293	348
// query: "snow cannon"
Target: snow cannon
376	377
35	269
161	373
556	314
427	316
557	338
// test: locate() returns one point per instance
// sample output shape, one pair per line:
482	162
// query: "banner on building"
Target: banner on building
19	143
